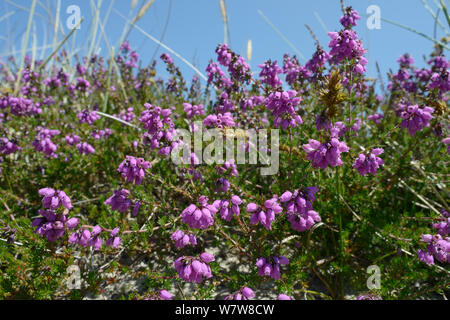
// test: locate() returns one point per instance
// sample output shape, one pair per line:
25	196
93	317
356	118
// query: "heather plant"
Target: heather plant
87	178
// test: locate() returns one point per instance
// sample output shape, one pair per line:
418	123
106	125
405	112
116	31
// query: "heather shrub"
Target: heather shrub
91	195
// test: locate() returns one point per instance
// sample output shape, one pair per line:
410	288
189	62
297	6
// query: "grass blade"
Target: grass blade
416	32
164	46
24	47
281	35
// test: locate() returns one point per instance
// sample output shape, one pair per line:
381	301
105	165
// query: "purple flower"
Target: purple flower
53	225
270	267
85	148
228	208
269	73
293	70
137	205
376	117
54	198
160	128
244	294
43	142
119	200
182	239
96	241
446	141
113	240
72	139
98	134
349	18
438	247
237	67
406	61
81	237
299	208
194	269
165	295
223	185
318	60
87	116
283	297
8	147
282	105
133	169
415	118
325	154
166	58
346	45
193	110
219	120
369	163
201	217
266	214
228	166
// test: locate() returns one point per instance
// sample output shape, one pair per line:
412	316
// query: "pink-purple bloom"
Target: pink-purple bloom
325	154
133	169
270	267
369	163
264	215
194	269
119	200
201	217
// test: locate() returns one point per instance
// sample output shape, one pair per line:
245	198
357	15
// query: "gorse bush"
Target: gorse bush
89	181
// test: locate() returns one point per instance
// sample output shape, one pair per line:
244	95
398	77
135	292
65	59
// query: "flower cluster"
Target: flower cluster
318	60
266	214
369	163
53	199
200	217
87	116
299	208
182	239
8	147
349	18
346	45
244	294
193	110
228	208
438	245
98	134
293	70
85	148
376	117
282	105
127	115
415	118
160	128
270	267
194	269
19	106
133	169
269	73
43	142
219	120
51	224
72	139
237	67
228	167
325	154
119	200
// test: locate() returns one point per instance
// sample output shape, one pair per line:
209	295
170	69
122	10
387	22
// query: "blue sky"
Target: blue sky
195	28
